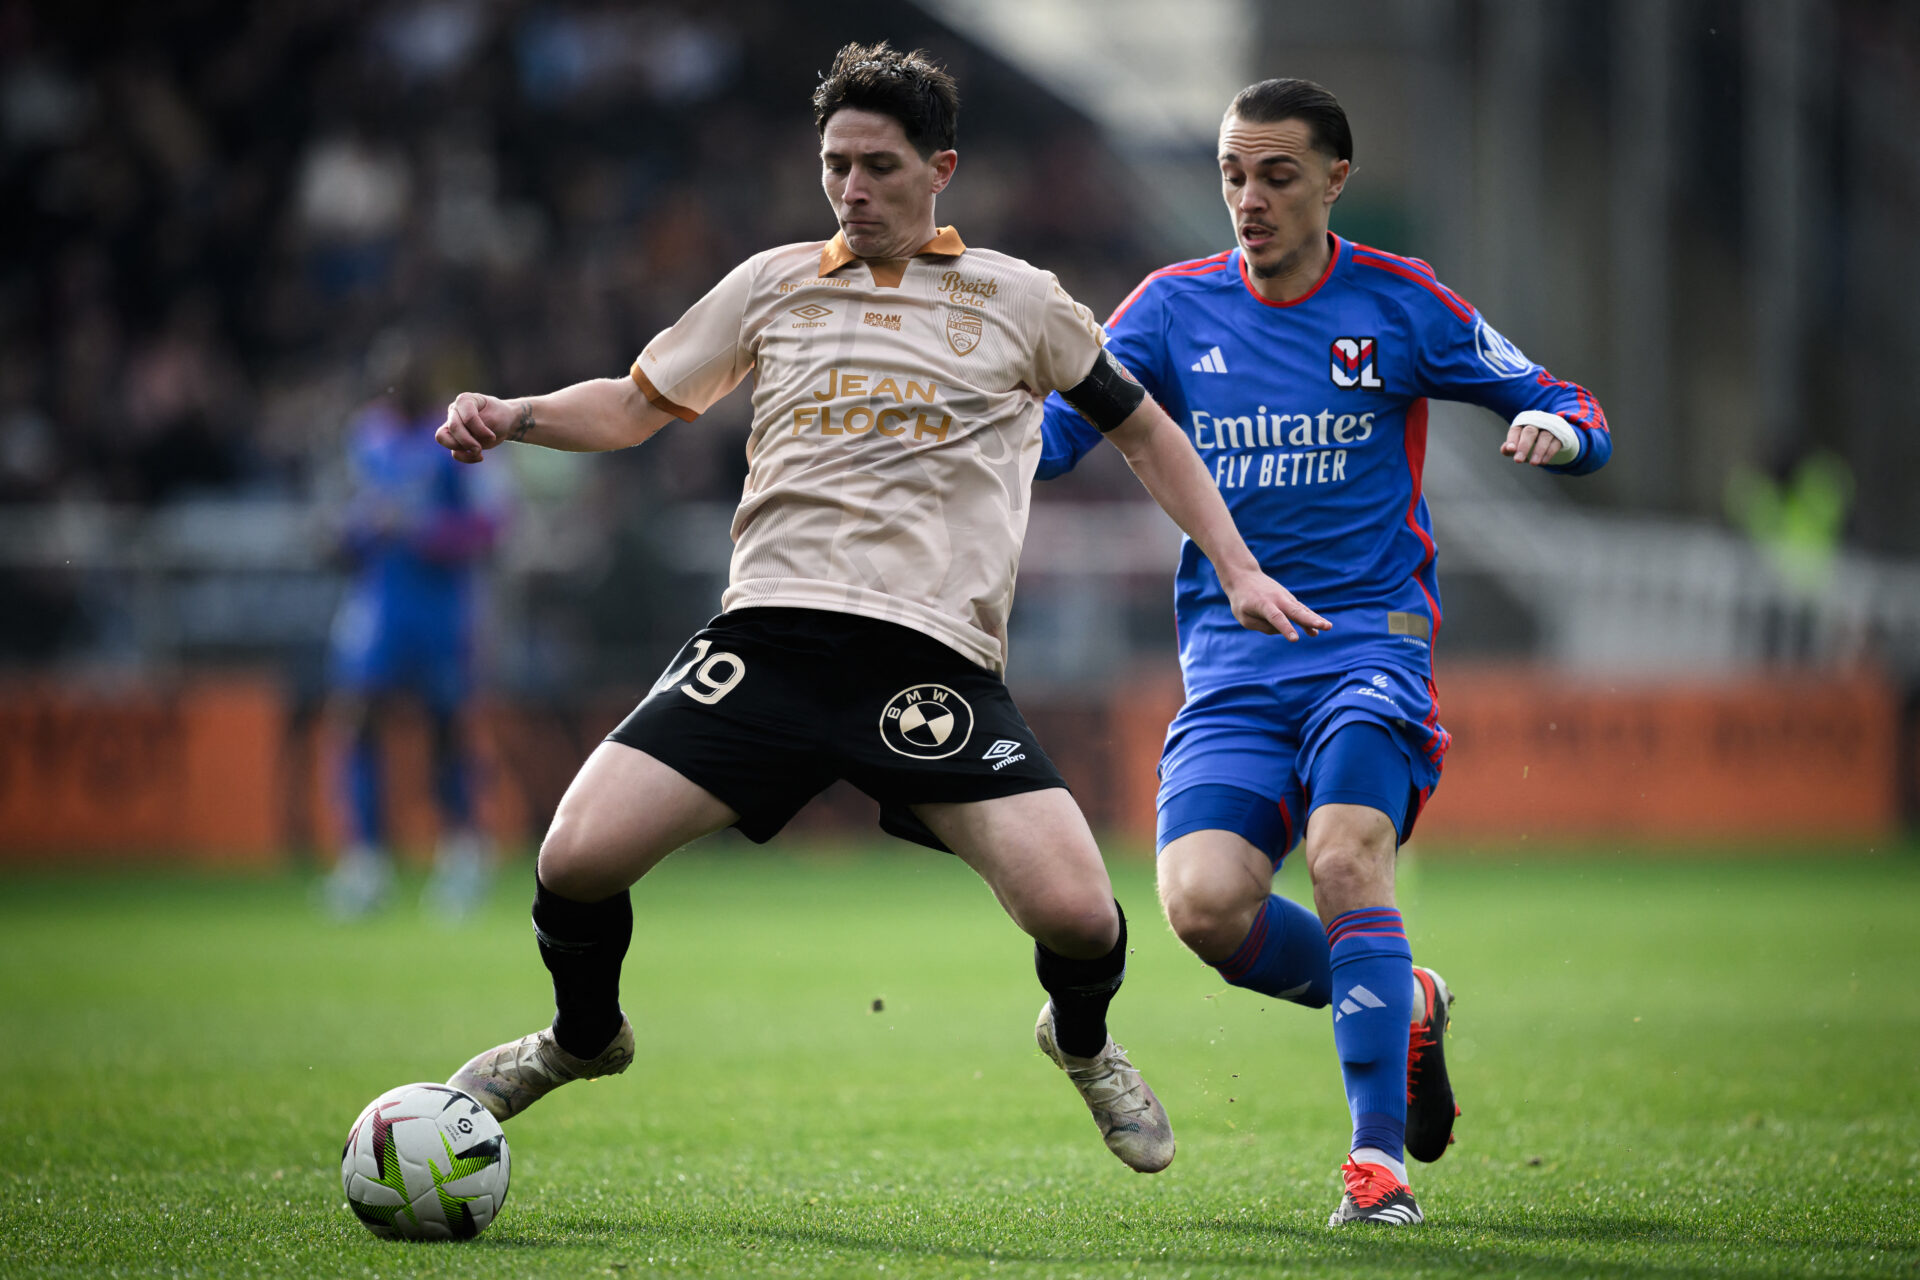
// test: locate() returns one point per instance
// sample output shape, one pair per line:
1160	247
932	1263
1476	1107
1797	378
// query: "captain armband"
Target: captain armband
1108	395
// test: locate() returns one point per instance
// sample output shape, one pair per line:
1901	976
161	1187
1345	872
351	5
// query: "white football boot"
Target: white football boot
359	883
509	1078
458	885
1131	1119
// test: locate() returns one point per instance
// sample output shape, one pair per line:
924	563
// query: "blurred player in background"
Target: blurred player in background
896	425
415	529
1301	365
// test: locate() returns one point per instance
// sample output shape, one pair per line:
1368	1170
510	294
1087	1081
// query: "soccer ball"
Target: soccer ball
425	1162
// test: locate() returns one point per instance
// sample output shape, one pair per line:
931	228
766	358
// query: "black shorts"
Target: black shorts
766	707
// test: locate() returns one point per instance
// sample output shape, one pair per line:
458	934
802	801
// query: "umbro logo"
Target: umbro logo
1003	753
812	311
1357	999
1212	362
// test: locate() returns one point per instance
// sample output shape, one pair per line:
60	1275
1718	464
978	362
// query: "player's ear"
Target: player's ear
1337	178
944	163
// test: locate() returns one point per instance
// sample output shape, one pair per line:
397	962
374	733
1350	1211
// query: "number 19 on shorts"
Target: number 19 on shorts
713	675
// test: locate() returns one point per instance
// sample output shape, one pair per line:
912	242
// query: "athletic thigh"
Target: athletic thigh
623	813
1362	798
740	711
1036	852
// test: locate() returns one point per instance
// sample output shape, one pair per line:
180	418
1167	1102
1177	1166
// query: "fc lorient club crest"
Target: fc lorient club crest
926	721
963	330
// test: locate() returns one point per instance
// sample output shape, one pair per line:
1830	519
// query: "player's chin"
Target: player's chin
864	238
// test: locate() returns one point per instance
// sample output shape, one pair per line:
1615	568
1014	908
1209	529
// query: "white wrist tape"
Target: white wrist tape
1557	427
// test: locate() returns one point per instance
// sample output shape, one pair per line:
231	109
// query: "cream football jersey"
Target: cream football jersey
896	425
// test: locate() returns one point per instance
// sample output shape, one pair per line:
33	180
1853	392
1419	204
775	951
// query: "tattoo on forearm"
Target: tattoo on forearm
523	424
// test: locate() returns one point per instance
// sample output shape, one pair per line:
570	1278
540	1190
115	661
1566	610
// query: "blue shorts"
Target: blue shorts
1258	760
382	644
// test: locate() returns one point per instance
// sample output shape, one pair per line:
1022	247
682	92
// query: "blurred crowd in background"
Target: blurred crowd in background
229	225
215	212
232	230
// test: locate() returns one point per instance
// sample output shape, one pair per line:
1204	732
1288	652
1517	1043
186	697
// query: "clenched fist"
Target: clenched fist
476	423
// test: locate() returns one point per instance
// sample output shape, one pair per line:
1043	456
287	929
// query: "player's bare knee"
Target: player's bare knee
567	864
1079	926
1210	918
1350	873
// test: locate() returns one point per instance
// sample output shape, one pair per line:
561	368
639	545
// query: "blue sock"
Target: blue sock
363	790
1285	956
453	788
452	773
1373	1002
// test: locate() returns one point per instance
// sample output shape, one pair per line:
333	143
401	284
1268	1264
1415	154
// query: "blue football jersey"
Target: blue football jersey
1311	416
414	529
414	525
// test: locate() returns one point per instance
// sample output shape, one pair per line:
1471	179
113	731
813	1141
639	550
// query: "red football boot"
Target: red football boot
1375	1194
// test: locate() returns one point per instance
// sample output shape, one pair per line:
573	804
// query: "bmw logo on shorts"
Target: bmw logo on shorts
926	721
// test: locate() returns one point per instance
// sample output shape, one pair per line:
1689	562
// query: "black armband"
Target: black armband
1108	395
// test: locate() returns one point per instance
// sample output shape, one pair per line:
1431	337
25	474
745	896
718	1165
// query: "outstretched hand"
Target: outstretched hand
1261	604
475	423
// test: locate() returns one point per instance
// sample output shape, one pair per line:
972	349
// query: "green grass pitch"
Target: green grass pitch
1669	1067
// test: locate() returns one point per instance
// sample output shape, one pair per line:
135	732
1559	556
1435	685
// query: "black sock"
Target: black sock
1081	991
583	944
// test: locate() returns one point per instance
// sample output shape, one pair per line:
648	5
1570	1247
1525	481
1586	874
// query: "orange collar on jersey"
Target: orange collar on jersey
836	254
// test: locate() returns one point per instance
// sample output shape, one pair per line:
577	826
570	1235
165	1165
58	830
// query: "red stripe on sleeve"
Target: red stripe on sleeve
1454	302
1198	267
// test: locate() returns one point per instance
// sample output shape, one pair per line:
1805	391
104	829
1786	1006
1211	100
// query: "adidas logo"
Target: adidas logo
1212	362
1357	999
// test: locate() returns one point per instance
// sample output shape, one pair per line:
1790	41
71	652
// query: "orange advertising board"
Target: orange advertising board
219	770
191	771
1778	757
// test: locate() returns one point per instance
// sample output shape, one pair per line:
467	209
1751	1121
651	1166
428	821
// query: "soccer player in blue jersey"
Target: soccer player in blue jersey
413	530
1301	365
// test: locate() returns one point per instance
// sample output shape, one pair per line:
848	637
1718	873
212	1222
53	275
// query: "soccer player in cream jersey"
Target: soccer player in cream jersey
1302	363
898	384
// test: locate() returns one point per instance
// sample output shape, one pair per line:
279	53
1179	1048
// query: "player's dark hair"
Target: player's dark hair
910	87
1272	101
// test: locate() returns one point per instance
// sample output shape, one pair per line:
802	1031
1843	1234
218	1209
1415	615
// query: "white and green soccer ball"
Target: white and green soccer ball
425	1162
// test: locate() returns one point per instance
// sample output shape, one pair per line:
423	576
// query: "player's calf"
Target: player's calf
1216	885
582	944
1072	1030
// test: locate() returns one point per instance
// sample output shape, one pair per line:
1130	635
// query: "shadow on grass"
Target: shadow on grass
1552	1244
